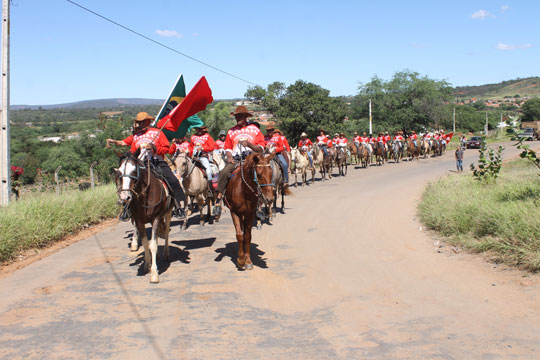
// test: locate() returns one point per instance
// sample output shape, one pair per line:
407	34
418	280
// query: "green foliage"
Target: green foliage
531	110
37	221
218	118
308	107
270	97
503	219
408	101
489	166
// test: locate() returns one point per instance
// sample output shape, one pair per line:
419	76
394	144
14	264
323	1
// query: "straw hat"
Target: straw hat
241	110
303	134
222	132
143	115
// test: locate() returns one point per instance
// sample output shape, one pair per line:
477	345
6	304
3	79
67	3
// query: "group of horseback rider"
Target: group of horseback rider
235	145
238	142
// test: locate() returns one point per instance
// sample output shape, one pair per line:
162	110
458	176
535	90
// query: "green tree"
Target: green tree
218	118
408	101
307	107
531	110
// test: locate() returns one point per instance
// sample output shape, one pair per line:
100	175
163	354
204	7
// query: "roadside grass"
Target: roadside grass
502	219
38	221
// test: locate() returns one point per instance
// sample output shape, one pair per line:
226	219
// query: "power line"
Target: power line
160	44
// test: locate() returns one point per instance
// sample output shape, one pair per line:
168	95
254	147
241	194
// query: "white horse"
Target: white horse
195	186
301	165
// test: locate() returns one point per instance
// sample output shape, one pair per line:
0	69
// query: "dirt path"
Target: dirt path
346	273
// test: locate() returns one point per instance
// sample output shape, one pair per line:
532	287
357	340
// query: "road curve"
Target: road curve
346	273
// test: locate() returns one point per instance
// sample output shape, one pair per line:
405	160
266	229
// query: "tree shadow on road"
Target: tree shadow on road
231	250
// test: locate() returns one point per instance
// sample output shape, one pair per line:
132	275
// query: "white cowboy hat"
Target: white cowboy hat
303	134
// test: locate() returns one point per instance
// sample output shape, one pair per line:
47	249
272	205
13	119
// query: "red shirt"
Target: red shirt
364	139
161	142
436	137
414	136
285	143
219	144
204	141
342	141
277	141
381	139
236	134
322	139
305	142
398	137
387	138
357	138
373	140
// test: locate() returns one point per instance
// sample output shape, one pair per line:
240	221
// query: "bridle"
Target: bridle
138	167
259	186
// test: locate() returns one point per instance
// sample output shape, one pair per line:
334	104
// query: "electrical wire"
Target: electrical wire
158	43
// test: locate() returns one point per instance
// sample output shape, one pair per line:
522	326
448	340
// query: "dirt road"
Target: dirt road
346	273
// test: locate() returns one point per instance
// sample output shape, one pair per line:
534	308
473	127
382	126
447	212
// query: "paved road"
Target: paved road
347	273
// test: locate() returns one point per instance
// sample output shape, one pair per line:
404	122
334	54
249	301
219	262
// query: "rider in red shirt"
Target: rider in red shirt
305	145
322	141
155	143
220	142
241	140
200	146
275	143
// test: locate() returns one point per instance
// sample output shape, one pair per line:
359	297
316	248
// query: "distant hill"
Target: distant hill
527	87
100	104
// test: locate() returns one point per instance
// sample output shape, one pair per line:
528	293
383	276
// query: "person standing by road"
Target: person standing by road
459	159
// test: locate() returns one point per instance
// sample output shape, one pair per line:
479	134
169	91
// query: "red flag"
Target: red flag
196	100
449	137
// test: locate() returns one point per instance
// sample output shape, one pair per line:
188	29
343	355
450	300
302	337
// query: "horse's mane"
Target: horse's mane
249	163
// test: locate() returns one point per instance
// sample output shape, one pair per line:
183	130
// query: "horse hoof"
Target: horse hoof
154	279
249	267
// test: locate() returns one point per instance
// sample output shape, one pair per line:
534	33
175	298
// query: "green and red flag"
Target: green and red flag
177	94
195	101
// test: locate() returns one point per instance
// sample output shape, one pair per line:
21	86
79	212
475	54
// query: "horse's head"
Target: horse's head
182	163
262	171
126	177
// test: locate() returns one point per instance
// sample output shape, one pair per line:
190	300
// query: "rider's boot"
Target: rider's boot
210	189
178	210
216	211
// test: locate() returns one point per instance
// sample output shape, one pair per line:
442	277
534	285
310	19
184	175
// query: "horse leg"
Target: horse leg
200	204
282	201
135	241
248	220
141	231
154	278
238	225
166	228
187	212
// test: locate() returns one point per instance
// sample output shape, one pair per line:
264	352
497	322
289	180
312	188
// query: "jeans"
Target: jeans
285	167
310	158
459	165
325	150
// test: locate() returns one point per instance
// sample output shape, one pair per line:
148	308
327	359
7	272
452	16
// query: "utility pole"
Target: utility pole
370	118
486	126
5	168
454	121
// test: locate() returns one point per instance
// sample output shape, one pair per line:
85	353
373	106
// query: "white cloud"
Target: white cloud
196	34
504	8
482	14
169	33
508	47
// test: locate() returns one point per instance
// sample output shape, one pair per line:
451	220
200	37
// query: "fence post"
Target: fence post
56	179
92	174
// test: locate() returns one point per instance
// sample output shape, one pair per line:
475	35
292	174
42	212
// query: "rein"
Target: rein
257	193
136	178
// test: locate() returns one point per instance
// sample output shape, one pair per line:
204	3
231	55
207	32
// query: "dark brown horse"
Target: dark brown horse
380	152
251	182
144	199
413	151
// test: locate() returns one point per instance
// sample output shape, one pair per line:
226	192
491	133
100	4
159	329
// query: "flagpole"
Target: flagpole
166	101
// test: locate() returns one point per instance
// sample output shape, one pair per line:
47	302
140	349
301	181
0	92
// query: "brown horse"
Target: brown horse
413	151
145	199
380	152
253	180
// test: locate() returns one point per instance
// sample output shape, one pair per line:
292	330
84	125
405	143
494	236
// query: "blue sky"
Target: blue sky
61	53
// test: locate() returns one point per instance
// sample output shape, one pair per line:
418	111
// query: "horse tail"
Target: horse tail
287	191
